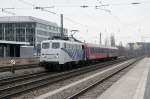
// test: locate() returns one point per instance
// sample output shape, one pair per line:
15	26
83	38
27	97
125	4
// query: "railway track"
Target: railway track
17	67
83	91
32	82
10	80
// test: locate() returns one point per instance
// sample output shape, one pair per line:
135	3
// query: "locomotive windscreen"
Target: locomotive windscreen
55	45
45	45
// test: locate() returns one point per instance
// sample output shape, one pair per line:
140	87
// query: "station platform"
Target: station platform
133	85
4	62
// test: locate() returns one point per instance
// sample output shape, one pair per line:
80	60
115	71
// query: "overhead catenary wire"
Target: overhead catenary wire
52	12
69	19
46	8
5	10
100	4
27	3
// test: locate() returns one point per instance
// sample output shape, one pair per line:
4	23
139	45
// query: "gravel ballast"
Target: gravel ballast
55	86
21	72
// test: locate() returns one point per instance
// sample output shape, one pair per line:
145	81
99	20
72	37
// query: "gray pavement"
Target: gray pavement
147	90
132	85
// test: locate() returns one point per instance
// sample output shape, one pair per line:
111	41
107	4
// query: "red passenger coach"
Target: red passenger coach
94	52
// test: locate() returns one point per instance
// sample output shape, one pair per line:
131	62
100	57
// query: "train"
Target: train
60	53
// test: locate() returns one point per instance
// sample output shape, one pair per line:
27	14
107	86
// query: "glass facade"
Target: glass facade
9	50
22	32
47	31
26	29
1	51
31	32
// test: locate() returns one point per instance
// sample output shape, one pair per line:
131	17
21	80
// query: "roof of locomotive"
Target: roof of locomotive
66	41
87	44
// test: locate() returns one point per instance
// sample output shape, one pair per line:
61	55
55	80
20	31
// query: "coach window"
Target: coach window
92	50
97	50
103	51
55	45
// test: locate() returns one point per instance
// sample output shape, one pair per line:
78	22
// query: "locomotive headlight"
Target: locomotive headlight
57	55
43	56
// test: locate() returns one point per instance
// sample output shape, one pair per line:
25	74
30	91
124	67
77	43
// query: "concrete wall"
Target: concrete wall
19	61
27	51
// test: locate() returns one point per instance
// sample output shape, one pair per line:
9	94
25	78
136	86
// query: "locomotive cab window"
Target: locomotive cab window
55	45
45	45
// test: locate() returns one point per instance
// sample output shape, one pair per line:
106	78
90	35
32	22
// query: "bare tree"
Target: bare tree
112	40
120	44
106	41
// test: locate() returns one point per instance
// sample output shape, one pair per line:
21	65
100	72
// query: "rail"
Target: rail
41	81
79	93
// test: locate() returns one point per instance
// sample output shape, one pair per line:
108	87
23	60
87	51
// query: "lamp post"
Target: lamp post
61	26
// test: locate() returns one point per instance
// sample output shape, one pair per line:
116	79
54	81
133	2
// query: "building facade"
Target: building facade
25	30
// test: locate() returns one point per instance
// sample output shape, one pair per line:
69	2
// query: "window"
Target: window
55	45
45	45
50	27
65	45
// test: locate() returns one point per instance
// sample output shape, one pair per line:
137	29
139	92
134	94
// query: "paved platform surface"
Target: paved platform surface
19	61
133	85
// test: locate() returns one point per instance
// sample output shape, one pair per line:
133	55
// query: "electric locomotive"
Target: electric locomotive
59	52
56	53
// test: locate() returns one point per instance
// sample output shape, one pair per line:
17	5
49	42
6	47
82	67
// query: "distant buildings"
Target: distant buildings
140	47
17	31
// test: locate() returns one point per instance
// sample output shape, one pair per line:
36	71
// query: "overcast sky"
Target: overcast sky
128	22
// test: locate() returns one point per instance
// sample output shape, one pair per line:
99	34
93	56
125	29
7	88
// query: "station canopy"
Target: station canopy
13	42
